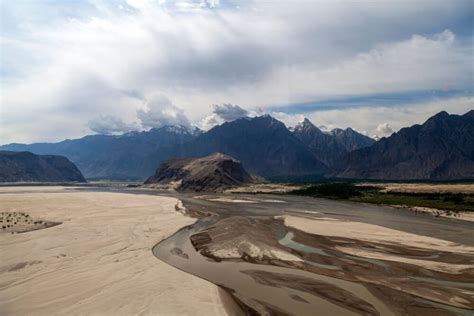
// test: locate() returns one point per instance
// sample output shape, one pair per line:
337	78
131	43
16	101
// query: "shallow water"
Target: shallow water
231	275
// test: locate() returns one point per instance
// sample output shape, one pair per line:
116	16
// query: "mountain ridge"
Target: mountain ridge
442	148
28	167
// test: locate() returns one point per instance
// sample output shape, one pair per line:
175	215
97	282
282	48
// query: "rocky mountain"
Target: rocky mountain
263	144
28	167
212	173
330	147
350	139
440	149
133	155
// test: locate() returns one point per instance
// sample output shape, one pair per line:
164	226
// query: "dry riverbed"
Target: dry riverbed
98	260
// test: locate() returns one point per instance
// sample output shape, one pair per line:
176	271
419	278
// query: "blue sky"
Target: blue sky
71	68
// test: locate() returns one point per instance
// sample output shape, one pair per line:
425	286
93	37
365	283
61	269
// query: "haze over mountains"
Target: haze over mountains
441	148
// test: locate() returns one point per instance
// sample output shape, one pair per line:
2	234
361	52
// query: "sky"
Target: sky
71	68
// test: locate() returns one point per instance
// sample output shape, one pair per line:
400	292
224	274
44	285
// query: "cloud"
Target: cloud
383	129
420	63
229	112
109	125
159	111
221	113
210	121
71	62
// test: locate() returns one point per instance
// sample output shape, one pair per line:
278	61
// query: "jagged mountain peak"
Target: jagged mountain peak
330	146
306	126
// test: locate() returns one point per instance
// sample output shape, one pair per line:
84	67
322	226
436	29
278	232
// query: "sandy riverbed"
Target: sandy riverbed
373	233
99	260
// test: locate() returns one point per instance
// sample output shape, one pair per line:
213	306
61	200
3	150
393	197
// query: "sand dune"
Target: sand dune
99	260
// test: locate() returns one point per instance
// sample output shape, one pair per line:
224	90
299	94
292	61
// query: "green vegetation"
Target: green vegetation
372	194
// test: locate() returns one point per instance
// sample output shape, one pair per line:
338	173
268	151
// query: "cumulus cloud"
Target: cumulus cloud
159	111
109	125
210	121
224	112
229	112
384	129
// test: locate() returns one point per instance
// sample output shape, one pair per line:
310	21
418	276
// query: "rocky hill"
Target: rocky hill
440	149
212	173
28	167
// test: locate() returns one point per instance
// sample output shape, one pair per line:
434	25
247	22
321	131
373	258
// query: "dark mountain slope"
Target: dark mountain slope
263	144
350	139
28	167
440	149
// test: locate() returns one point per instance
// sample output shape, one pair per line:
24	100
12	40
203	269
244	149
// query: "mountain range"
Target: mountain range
132	155
441	148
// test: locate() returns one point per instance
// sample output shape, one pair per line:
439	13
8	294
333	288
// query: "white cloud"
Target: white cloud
159	111
210	121
221	113
383	129
109	125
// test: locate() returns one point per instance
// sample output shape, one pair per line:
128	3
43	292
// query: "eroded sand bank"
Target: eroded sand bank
99	260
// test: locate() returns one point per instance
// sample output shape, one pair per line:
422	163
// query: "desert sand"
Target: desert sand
99	260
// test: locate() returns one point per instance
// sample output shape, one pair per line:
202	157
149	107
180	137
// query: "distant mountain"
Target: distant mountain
133	155
440	149
263	144
213	173
28	167
350	139
330	147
